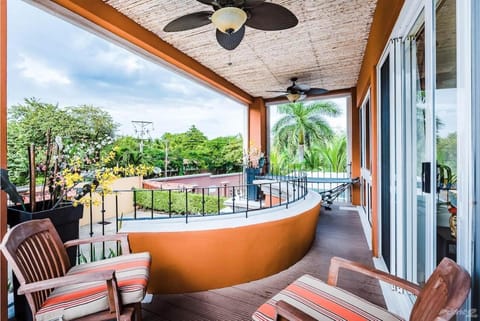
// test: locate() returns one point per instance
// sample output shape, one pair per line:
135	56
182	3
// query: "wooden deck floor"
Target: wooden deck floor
339	233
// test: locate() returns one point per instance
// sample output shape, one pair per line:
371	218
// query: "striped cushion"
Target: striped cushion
323	302
75	301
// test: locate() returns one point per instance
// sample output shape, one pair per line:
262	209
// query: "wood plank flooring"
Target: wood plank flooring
339	233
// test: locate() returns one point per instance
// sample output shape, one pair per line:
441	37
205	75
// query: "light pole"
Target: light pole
166	156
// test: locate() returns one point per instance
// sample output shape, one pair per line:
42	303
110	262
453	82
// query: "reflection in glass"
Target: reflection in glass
446	131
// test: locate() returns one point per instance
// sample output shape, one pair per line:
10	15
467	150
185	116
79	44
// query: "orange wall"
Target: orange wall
257	124
202	260
275	200
384	19
355	148
3	151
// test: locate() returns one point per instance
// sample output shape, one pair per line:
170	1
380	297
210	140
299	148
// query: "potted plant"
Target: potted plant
254	160
67	182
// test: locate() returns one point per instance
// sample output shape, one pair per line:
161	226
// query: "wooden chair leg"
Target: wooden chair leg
138	311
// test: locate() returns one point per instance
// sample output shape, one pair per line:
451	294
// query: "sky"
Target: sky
59	63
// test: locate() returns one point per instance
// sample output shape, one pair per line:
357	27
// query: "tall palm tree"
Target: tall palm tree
303	125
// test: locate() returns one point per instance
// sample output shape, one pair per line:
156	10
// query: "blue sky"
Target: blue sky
58	62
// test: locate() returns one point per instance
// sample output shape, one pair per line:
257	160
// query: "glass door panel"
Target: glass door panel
446	128
418	169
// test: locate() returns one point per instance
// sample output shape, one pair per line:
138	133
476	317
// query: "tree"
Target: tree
303	125
334	154
85	130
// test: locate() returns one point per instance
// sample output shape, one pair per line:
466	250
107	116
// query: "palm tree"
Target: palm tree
303	125
334	154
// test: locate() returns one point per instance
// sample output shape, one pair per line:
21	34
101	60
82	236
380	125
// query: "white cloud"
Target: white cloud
40	72
119	59
180	86
103	74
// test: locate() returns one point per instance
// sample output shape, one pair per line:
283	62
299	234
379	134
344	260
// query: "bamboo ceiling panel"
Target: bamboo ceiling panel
324	50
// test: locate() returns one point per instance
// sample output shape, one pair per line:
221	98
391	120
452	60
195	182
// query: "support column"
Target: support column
356	152
257	124
3	152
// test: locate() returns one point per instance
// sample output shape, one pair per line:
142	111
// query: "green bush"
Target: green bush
160	198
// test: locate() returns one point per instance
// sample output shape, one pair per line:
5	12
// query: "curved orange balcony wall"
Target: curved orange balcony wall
215	252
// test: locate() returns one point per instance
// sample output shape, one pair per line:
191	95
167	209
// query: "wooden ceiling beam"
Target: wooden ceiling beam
105	20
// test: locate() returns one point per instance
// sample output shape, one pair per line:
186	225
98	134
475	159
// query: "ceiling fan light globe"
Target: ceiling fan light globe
293	97
229	19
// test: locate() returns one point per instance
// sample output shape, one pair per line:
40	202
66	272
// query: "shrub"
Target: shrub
160	199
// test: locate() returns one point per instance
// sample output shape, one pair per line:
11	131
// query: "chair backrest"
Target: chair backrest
35	252
443	294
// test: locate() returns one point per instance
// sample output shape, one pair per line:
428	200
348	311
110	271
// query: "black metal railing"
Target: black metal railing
212	200
320	180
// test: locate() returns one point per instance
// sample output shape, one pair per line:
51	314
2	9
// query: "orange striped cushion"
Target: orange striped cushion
75	301
323	302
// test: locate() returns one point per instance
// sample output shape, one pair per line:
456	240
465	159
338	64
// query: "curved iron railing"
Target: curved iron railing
212	200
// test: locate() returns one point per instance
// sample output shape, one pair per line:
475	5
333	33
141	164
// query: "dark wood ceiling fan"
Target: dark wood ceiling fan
231	16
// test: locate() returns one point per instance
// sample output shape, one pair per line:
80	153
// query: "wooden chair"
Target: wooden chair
101	290
309	299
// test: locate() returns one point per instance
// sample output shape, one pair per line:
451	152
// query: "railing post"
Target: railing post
135	204
91	226
271	195
246	212
116	221
218	200
153	203
294	190
287	194
203	201
169	203
233	198
186	205
260	199
280	190
103	224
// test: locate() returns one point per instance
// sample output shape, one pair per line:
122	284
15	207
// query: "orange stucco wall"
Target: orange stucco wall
201	260
386	14
275	200
257	124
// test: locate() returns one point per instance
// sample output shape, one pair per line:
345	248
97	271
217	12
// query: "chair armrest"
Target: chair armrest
336	263
66	280
123	238
286	311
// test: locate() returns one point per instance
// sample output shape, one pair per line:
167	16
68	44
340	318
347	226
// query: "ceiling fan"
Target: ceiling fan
231	16
297	92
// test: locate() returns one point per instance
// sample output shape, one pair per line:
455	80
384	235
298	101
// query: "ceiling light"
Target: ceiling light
229	19
293	97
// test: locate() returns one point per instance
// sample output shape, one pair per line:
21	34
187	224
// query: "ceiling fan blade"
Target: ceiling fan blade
230	41
252	3
270	16
302	87
208	2
189	21
316	91
277	91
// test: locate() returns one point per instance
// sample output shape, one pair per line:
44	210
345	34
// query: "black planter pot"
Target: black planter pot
252	190
66	219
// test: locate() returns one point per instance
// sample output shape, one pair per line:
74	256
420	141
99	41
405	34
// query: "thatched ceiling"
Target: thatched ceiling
324	50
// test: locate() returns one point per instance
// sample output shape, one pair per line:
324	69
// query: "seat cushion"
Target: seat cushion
323	302
74	301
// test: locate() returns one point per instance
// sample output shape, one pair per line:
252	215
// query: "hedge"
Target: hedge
160	197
